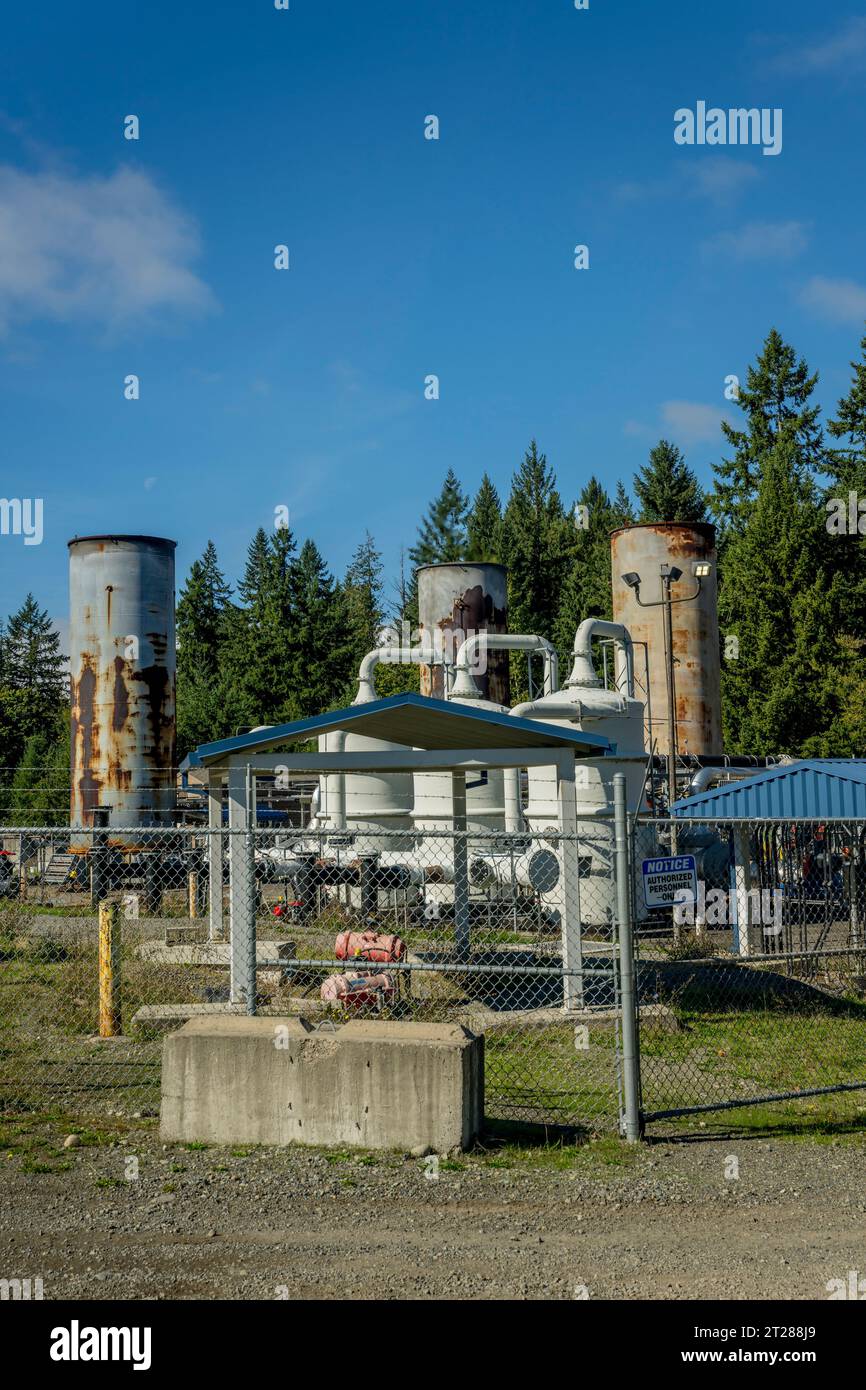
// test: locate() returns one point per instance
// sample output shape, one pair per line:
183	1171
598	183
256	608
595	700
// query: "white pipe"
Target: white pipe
513	808
335	742
583	670
706	776
464	687
539	870
387	656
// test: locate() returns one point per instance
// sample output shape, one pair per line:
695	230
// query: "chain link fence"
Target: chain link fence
754	989
749	991
108	943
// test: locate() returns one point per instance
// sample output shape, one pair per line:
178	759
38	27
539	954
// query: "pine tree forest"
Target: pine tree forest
284	638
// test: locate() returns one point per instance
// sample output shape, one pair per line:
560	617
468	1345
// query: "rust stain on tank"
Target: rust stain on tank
120	709
122	717
643	548
472	608
85	738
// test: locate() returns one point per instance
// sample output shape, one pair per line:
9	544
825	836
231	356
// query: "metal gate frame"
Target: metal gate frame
633	1118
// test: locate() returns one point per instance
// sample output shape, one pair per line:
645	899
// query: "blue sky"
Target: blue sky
409	257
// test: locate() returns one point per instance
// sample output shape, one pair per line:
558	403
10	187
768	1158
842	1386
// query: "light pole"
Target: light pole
669	575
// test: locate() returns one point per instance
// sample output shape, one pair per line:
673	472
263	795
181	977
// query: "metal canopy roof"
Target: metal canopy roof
417	722
814	789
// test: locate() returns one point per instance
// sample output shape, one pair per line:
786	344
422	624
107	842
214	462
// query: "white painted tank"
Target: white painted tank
362	803
583	704
485	792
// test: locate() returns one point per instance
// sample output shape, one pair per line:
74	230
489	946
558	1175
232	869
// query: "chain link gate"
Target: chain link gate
755	993
106	945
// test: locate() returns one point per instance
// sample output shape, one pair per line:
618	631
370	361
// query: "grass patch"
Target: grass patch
530	1152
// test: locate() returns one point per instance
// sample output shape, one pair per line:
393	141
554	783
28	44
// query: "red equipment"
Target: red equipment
369	945
356	991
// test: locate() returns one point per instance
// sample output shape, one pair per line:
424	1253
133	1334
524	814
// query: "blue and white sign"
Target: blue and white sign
669	881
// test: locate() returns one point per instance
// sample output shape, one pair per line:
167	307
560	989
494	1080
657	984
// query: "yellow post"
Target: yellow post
109	971
193	893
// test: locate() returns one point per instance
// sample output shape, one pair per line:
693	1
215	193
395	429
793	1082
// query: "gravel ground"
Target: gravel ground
600	1221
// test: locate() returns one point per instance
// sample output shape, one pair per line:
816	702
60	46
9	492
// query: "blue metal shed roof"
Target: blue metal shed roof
418	722
814	789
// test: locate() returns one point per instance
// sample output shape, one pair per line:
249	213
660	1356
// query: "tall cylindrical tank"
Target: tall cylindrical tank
455	601
643	550
122	672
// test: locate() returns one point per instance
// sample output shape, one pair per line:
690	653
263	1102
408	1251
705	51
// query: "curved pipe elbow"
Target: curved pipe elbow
583	671
386	656
468	657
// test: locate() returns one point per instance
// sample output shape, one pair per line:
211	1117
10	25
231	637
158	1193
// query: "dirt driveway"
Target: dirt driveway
119	1215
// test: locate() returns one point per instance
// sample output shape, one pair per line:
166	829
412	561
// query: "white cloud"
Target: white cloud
106	250
690	422
843	301
757	240
718	178
844	50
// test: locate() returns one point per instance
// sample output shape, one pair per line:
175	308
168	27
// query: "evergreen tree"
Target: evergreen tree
363	590
484	525
34	696
667	489
257	655
39	793
586	592
623	506
201	611
777	396
442	533
845	470
781	600
322	650
538	545
32	660
539	542
256	577
847	465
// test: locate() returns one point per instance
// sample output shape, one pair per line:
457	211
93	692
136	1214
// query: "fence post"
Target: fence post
242	894
571	926
462	935
22	875
110	1024
627	998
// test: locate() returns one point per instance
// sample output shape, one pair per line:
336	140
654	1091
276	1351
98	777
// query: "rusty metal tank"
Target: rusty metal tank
122	674
455	601
697	675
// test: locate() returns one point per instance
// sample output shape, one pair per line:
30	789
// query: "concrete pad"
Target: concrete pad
211	953
372	1085
169	1015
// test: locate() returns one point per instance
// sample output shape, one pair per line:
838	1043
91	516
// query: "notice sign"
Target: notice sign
669	881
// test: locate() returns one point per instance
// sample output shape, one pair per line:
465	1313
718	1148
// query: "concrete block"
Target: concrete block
371	1085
